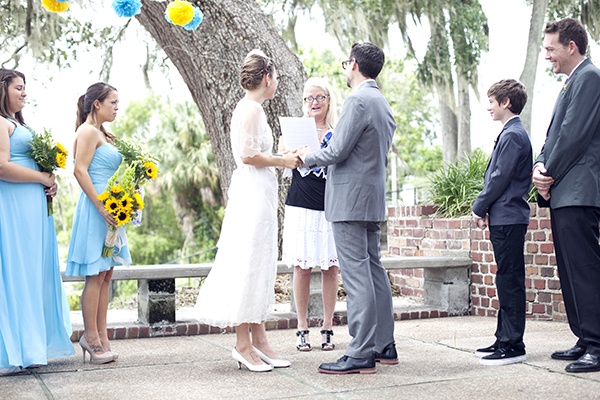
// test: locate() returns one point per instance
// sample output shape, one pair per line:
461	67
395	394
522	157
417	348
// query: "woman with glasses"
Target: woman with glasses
307	236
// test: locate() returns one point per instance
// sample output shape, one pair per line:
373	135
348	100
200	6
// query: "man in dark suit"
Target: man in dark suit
502	204
566	175
355	204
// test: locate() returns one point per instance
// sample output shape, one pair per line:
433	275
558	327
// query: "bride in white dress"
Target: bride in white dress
239	290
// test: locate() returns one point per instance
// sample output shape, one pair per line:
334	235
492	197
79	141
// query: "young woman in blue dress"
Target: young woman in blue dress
34	312
96	160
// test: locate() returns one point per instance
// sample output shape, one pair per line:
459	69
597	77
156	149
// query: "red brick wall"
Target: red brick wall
414	230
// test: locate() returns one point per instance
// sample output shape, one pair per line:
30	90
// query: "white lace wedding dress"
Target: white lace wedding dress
240	287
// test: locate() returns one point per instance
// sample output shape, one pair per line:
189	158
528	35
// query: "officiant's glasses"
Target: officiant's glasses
319	98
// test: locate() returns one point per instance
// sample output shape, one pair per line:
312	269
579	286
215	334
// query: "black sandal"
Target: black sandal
301	342
327	346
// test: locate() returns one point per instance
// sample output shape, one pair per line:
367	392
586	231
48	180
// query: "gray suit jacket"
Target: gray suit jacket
571	153
507	178
357	157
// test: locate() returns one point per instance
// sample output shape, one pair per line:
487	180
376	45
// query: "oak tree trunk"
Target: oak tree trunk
209	59
538	14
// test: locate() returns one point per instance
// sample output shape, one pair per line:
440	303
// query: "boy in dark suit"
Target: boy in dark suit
502	204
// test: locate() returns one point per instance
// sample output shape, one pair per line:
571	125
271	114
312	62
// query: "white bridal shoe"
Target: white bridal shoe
275	363
252	367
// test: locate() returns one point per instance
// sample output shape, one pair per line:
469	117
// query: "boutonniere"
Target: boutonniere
565	86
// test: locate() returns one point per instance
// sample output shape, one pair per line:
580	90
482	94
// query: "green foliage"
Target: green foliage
74	300
159	238
124	293
184	205
455	187
55	38
414	141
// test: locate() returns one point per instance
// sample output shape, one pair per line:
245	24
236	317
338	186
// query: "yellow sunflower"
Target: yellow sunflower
116	189
126	202
61	160
112	205
151	170
61	149
123	217
103	196
137	197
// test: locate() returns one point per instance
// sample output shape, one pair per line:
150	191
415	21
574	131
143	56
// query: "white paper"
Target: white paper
299	132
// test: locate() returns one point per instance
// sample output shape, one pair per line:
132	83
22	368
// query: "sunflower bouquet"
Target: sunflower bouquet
48	155
144	166
123	196
122	200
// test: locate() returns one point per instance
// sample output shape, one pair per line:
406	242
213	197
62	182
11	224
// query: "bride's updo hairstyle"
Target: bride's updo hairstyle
256	66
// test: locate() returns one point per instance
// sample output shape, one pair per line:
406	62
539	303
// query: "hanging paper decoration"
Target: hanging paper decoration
127	8
196	21
55	6
180	12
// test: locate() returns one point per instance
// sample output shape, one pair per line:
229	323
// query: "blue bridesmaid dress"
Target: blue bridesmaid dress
34	312
89	228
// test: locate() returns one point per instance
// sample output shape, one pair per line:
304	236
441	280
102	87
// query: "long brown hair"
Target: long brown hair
6	78
85	105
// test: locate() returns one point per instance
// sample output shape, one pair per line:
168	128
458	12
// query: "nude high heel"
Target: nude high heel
276	363
252	367
97	353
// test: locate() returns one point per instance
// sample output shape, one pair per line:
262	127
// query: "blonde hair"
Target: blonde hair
321	83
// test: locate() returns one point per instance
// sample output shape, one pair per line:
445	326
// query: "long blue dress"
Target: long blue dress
89	228
34	312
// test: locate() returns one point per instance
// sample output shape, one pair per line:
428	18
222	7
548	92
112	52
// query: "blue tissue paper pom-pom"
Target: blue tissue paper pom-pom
195	22
127	8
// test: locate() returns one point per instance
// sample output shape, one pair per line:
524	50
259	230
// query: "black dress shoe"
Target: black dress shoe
587	363
388	355
574	353
349	365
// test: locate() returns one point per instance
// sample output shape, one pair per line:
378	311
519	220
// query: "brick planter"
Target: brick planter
415	230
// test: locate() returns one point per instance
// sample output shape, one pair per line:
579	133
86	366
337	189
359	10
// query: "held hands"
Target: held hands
541	181
291	160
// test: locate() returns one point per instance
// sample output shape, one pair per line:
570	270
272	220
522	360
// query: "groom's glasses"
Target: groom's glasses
347	62
319	98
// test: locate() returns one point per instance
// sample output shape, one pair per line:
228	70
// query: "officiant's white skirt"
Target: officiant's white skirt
308	239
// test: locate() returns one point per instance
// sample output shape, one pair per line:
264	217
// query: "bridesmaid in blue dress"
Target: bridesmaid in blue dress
96	160
34	312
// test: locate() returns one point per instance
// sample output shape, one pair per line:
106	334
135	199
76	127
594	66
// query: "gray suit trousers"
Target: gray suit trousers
369	297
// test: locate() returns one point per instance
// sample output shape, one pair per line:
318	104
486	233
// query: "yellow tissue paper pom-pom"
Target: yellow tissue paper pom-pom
55	6
180	12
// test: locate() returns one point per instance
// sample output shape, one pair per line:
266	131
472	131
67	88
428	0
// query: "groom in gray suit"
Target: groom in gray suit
567	176
355	204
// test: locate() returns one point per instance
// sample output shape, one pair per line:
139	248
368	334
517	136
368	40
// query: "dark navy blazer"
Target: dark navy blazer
507	178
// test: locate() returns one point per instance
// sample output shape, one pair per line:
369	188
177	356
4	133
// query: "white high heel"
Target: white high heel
252	367
274	362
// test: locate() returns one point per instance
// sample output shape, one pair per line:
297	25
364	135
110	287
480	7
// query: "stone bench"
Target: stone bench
446	284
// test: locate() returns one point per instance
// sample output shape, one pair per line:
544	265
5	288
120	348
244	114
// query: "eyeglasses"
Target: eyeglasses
319	98
345	63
